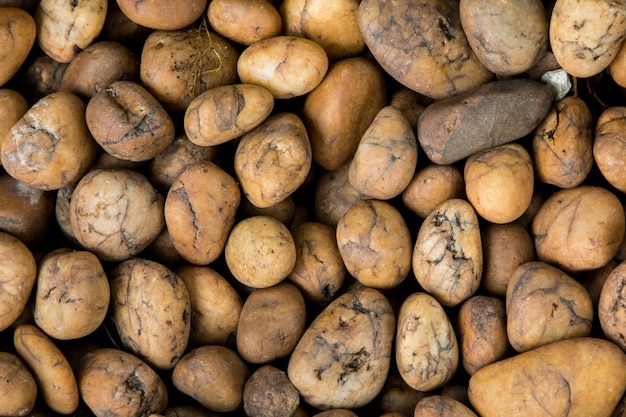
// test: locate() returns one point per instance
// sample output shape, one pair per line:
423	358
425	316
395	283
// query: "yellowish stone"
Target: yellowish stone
579	377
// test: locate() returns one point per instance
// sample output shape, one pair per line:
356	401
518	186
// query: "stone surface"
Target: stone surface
421	44
485	117
579	377
343	358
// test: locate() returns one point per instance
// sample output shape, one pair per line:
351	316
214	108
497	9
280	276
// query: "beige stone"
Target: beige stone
343	358
574	378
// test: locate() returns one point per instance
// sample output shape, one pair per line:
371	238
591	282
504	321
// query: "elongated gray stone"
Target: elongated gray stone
493	114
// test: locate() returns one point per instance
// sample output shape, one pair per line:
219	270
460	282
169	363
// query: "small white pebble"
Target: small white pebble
558	81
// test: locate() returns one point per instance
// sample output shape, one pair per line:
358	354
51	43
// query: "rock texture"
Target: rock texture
575	378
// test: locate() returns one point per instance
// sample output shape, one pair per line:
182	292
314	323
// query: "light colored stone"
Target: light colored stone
448	256
343	358
579	377
427	351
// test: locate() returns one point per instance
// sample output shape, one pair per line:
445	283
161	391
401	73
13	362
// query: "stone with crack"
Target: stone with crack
427	351
448	257
421	44
343	358
543	305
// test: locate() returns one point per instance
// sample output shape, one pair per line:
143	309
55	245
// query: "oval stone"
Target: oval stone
490	115
612	308
509	37
543	305
341	108
199	214
18	388
288	66
579	229
421	45
226	112
575	378
17	33
150	307
499	182
427	351
385	160
375	244
273	160
585	35
448	255
343	358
